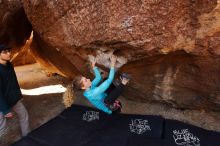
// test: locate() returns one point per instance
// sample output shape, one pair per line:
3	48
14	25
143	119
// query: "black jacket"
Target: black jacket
10	92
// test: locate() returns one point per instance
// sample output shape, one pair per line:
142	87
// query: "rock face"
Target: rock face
15	28
180	79
171	48
23	55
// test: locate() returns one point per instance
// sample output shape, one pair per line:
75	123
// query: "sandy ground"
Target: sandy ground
44	107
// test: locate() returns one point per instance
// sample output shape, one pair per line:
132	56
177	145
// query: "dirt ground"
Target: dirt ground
44	107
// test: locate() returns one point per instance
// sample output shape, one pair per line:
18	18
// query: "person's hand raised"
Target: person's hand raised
113	60
92	60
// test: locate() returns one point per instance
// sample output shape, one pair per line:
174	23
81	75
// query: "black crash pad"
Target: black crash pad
84	126
81	125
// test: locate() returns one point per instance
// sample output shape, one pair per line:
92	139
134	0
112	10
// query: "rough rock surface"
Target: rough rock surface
15	28
171	48
23	55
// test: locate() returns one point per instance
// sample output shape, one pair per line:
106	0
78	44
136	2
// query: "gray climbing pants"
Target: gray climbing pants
22	113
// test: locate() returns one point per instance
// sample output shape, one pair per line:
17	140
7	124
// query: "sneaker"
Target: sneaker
125	75
118	110
125	78
118	103
114	106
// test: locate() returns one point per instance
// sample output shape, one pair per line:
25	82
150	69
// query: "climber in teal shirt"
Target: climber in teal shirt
94	92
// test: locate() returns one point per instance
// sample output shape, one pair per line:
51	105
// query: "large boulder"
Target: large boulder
170	47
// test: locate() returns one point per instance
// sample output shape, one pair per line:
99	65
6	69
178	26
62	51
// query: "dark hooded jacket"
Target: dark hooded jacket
10	92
